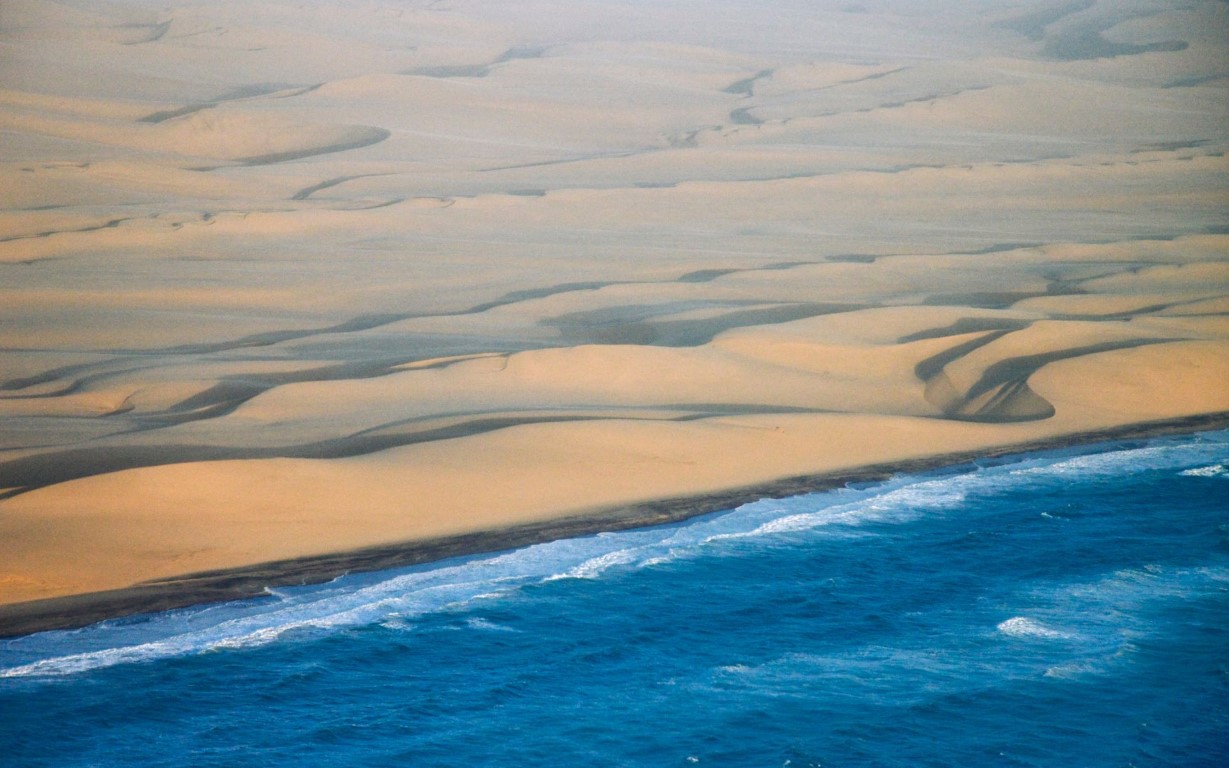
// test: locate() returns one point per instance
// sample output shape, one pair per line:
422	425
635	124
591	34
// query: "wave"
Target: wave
898	505
596	566
1022	626
1104	618
1214	470
1077	629
1165	454
398	598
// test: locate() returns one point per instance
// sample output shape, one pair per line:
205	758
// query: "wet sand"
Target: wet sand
407	282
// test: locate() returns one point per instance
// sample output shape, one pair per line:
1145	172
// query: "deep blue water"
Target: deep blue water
1060	609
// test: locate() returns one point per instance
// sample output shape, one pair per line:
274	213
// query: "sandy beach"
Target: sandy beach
293	289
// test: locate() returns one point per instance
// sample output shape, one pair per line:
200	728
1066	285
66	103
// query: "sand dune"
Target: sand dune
279	281
212	134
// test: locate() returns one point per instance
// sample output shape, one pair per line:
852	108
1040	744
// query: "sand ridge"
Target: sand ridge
278	282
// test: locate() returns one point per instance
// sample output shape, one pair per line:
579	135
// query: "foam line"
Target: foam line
408	594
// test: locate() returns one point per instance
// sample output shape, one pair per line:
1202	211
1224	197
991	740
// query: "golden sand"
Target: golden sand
279	281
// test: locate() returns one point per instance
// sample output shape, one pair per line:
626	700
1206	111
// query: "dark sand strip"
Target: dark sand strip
1012	399
244	92
112	224
365	136
965	325
746	87
934	365
249	582
171	114
307	192
1033	25
30	473
154	32
639	325
1023	367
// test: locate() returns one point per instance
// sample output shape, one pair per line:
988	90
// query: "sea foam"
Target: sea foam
1215	470
403	596
1022	626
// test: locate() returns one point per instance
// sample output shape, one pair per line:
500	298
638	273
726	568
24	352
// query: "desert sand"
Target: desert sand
285	280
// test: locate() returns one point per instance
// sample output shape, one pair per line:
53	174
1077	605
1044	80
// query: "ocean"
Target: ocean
1067	608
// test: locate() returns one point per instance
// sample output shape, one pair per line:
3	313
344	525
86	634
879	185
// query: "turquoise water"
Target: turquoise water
1060	609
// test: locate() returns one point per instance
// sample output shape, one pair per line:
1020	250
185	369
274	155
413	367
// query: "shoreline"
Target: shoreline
75	611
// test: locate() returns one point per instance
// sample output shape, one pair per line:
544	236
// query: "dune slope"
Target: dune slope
282	281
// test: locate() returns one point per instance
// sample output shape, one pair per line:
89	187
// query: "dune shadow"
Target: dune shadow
966	325
475	70
1002	393
57	466
251	91
650	325
746	86
1033	25
110	224
360	136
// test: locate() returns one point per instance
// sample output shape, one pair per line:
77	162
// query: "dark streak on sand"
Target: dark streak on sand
170	114
645	325
959	328
30	473
363	137
476	70
931	366
307	192
1033	25
255	90
1080	38
354	325
152	32
112	224
252	581
1010	399
1019	368
1194	82
743	116
746	87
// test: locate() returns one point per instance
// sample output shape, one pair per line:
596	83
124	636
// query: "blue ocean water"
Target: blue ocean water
1059	609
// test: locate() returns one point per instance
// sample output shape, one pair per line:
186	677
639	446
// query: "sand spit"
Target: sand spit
404	280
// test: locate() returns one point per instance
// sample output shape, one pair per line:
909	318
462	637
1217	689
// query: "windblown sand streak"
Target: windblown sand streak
281	283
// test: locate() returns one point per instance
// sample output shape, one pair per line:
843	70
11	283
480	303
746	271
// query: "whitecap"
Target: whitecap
596	566
898	501
1022	626
1215	470
1165	455
477	622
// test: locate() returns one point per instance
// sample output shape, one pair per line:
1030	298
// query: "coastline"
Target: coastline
74	611
292	292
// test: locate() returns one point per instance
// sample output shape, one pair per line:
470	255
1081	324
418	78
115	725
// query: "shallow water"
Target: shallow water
1058	609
